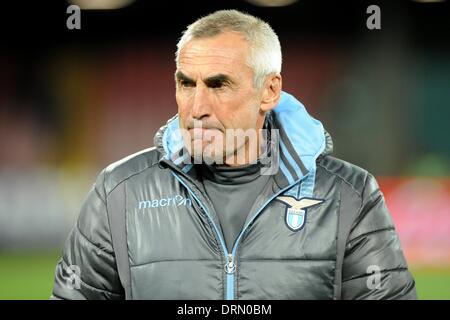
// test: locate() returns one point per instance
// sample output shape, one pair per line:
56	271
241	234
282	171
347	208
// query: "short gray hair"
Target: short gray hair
265	50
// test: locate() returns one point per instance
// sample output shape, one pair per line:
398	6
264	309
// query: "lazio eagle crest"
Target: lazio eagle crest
295	216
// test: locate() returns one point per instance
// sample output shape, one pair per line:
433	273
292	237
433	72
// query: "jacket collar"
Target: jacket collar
302	139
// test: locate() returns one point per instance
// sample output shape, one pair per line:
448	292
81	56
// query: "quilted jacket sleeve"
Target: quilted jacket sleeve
87	269
374	266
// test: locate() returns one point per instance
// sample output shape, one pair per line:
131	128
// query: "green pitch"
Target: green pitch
30	276
27	275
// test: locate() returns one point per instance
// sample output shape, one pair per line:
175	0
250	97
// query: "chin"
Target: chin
205	156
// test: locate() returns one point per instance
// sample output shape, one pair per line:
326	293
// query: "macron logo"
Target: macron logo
176	201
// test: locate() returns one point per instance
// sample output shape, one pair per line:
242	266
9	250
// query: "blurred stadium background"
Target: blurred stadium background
73	101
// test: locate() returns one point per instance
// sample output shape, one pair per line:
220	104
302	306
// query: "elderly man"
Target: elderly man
240	197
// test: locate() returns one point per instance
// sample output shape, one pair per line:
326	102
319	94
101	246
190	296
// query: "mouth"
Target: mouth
202	128
199	133
206	135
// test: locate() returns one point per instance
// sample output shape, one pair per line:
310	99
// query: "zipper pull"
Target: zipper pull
230	267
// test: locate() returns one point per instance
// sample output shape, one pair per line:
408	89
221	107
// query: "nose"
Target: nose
201	107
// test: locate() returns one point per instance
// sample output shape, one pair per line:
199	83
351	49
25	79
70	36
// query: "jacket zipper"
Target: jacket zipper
232	255
235	246
230	266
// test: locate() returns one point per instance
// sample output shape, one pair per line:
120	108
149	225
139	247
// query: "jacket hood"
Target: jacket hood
302	139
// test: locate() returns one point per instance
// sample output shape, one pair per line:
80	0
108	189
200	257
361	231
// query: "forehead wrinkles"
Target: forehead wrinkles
199	54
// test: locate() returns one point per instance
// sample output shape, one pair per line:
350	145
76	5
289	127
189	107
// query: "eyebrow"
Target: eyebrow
180	76
210	81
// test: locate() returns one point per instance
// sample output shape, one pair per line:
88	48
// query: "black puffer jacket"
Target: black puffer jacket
319	230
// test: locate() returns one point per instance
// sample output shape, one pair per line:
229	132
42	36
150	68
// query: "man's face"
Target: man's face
215	86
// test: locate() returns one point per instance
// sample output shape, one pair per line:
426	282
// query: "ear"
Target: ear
271	92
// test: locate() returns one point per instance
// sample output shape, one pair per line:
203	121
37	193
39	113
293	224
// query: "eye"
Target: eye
187	83
216	85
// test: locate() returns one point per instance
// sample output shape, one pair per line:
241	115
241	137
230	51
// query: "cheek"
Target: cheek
244	117
183	110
